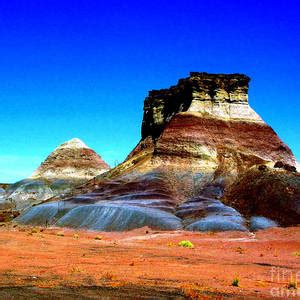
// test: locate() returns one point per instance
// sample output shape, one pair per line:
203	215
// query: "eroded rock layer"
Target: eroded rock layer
219	95
69	165
198	138
274	193
71	160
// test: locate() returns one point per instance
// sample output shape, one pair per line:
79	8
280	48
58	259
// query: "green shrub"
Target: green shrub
235	282
35	230
186	244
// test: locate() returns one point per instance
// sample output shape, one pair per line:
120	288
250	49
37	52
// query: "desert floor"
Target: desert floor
56	263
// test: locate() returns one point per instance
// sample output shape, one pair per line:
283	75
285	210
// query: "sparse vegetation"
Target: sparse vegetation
191	291
240	250
186	244
235	282
35	230
75	236
195	291
297	253
98	237
107	276
75	270
292	285
60	233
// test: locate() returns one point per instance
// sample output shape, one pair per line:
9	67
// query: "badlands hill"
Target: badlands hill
202	148
70	164
71	160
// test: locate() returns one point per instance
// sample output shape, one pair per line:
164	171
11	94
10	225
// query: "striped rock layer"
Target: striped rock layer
198	138
71	160
69	165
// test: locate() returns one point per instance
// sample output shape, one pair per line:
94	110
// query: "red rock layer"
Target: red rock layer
72	160
77	158
250	138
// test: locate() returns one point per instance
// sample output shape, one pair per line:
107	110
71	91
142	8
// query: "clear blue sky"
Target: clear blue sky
83	68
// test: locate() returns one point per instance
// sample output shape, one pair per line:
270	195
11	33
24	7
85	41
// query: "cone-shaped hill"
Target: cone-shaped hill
201	144
69	165
71	160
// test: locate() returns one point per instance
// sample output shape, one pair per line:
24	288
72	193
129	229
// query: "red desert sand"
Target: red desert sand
56	263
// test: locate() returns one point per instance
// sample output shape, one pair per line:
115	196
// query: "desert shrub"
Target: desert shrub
35	230
292	285
107	276
75	270
240	250
98	237
235	282
191	291
186	244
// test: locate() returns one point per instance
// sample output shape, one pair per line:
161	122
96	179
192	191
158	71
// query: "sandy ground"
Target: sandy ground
60	263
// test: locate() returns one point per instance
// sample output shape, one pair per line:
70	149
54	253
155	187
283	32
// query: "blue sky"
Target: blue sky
83	68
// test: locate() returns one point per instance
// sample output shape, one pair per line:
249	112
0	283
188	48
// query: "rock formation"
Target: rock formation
217	95
4	186
271	192
198	138
70	164
71	160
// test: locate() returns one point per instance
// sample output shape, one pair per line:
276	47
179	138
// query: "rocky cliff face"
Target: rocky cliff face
216	98
205	123
198	138
216	95
70	164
